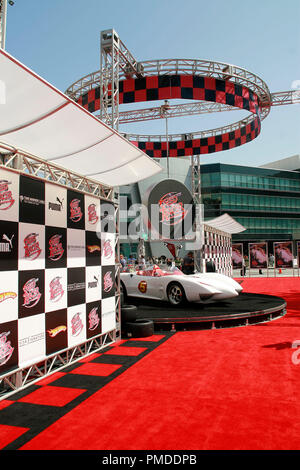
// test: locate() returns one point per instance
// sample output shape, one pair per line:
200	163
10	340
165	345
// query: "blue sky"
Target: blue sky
60	40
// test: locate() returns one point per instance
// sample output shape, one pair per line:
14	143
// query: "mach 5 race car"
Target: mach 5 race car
176	287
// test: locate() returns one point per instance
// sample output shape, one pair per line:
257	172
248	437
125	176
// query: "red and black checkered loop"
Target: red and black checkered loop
154	88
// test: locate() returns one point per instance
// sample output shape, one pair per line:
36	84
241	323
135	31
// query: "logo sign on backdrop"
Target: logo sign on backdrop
237	256
56	289
56	331
75	210
32	200
171	211
55	205
6	196
283	253
258	255
31	293
8	346
9	244
108	281
9	196
76	324
31	246
93	319
55	247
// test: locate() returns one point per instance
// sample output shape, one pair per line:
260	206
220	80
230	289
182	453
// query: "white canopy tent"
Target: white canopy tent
226	223
38	119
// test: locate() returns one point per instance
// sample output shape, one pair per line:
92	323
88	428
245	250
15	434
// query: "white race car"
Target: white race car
176	287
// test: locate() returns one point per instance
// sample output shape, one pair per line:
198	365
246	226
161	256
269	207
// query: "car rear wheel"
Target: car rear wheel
176	294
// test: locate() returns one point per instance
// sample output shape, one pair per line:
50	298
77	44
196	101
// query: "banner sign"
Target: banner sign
57	269
237	256
283	253
258	255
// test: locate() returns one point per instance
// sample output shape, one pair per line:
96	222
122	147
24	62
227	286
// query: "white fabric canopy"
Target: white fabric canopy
38	119
226	223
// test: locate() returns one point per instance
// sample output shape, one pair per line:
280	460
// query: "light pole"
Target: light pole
164	113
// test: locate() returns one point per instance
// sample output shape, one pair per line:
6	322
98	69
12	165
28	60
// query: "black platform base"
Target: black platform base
245	309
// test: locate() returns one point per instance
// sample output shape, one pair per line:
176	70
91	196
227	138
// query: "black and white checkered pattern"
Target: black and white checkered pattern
57	278
217	248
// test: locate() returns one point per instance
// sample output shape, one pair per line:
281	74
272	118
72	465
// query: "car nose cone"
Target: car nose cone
227	293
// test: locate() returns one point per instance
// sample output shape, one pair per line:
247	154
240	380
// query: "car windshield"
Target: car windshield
158	272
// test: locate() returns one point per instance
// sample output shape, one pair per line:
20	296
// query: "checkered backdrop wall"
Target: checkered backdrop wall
57	275
218	248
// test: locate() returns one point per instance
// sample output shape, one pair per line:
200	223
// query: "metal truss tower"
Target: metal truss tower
199	219
109	78
114	59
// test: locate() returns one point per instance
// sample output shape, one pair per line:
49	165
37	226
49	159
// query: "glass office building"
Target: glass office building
264	200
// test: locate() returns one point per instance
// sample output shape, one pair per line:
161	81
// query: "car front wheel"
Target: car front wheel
176	294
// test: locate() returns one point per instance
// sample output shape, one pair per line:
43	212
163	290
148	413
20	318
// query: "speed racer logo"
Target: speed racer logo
6	199
107	281
75	210
56	289
76	325
31	293
56	249
6	349
142	287
92	214
94	319
107	249
31	246
171	209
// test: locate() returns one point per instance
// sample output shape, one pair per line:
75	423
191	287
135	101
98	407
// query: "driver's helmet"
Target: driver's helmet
156	270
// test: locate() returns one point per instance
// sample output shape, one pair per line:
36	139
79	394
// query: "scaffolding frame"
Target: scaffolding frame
19	379
114	59
199	224
23	163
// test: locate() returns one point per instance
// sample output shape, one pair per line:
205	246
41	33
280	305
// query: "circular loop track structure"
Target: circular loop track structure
215	86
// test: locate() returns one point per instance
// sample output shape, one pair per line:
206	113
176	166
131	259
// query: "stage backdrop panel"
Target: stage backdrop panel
57	269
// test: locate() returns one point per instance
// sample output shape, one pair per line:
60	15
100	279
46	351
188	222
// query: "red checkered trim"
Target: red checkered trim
182	148
187	87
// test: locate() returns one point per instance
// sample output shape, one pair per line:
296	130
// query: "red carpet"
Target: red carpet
232	388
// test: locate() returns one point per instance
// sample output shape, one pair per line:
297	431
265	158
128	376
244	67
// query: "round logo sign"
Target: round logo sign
171	210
